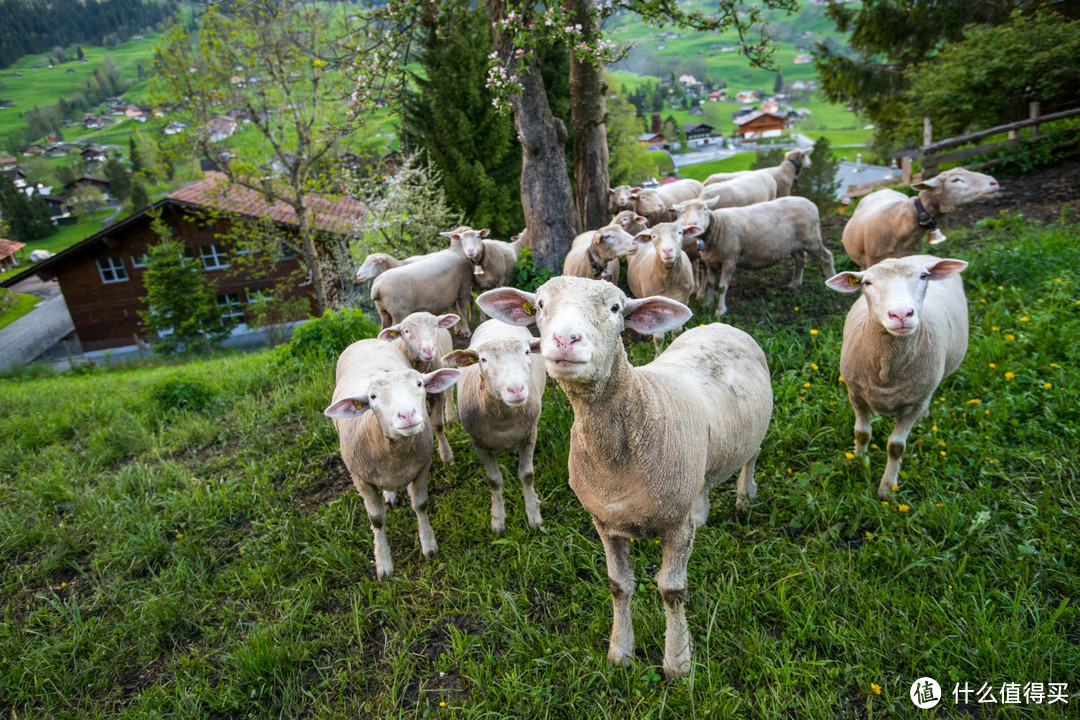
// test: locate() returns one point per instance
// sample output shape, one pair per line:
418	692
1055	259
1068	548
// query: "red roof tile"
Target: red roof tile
9	247
340	216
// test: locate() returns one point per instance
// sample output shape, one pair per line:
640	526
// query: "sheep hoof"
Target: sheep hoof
675	672
538	522
382	574
431	552
446	457
498	528
619	659
742	504
884	493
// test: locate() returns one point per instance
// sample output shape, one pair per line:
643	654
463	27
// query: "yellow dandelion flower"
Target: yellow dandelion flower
813	366
789	471
1001	287
993	365
876	688
849	456
937	505
1010	375
934	428
63	585
868	535
840	379
179	535
895	488
1053	364
1057	279
942	453
442	704
1048	386
986	412
813	332
941	399
806	385
884	502
982	300
974	401
796	308
873	446
995	328
903	508
941	443
1010	336
656	542
1024	318
990	461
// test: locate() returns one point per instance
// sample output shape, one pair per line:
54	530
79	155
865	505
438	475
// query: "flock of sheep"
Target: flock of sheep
647	443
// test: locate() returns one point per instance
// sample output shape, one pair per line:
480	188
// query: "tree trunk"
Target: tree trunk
546	196
311	257
588	116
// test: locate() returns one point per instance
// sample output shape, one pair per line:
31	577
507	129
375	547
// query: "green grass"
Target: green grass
22	305
217	563
735	163
64	237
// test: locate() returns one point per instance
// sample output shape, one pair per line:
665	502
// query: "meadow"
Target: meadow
182	540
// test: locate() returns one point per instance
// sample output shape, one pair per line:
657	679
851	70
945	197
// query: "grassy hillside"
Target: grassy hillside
216	562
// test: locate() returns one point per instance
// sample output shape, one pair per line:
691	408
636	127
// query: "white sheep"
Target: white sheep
499	398
661	267
741	191
433	283
388	448
647	442
375	264
596	253
757	236
619	199
907	332
656	204
794	162
423	339
493	261
889	224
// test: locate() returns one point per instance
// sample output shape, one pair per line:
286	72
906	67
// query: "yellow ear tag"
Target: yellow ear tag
852	280
358	405
527	308
392	333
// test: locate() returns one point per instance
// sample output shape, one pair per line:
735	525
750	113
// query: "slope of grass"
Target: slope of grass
216	562
21	305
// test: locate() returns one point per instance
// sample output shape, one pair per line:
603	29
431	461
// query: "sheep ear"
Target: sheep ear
946	268
643	238
448	320
460	358
634	192
926	184
390	333
349	407
510	305
642	220
534	345
845	281
693	230
655	315
485	232
440	380
598	238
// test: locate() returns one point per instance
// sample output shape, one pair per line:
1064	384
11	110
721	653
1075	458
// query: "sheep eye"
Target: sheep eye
371	397
866	283
483	360
540	304
405	331
419	383
924	275
615	308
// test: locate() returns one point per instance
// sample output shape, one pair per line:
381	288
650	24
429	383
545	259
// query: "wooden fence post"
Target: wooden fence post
929	164
905	170
1034	113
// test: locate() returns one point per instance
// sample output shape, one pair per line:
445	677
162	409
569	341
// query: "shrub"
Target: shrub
329	335
527	276
180	392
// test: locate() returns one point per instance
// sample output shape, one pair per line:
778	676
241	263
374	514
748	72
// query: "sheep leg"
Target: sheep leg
863	429
376	512
905	420
495	482
464	310
799	257
677	543
384	316
700	509
526	475
710	283
621	581
727	270
436	412
389	497
746	490
418	491
658	342
449	411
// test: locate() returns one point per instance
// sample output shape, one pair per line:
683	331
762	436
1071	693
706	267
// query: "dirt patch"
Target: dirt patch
1040	195
333	482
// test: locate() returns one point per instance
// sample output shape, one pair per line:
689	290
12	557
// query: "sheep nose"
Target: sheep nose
409	417
470	252
566	340
901	315
427	353
516	391
667	253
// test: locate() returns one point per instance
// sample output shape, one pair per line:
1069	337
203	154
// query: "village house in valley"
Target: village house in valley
101	276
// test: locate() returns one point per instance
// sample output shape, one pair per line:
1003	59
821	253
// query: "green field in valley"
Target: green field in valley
213	560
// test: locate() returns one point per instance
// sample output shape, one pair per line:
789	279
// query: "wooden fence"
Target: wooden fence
932	155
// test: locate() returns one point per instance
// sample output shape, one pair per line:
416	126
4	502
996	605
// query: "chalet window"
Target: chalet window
230	307
214	257
140	260
112	270
287	253
258	296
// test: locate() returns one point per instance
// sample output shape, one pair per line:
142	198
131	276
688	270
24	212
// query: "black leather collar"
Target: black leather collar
599	270
797	164
483	252
926	220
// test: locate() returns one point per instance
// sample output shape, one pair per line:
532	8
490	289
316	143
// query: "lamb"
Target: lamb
493	261
648	443
656	204
423	339
741	191
433	283
500	394
595	254
619	199
907	332
660	267
630	221
756	237
889	224
388	448
784	174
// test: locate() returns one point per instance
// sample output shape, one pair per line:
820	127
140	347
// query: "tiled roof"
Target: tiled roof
9	247
340	216
754	116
